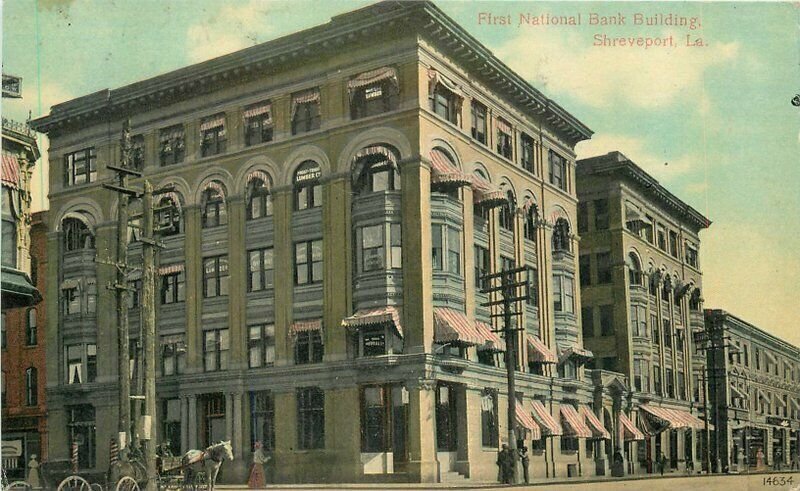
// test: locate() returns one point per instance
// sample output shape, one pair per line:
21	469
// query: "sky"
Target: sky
713	123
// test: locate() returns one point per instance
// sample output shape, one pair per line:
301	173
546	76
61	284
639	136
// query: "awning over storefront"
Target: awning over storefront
374	317
305	326
486	194
674	418
445	172
525	421
628	430
542	416
577	353
10	170
594	424
572	423
451	326
493	341
538	352
17	290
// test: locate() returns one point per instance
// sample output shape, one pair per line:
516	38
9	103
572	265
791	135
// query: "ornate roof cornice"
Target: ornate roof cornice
422	17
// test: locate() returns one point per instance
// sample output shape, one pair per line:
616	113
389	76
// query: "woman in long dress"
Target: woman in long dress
256	480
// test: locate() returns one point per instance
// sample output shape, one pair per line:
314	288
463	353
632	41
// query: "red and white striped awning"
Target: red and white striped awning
527	205
305	326
10	170
170	269
377	150
171	133
525	421
259	174
259	110
503	126
674	418
493	341
373	317
373	77
444	171
572	423
216	187
173	197
486	194
628	431
213	122
542	416
594	424
580	354
309	96
451	326
538	352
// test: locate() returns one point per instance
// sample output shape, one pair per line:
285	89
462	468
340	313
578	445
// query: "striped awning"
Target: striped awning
593	422
572	423
538	352
306	97
10	170
216	187
173	197
259	110
373	77
305	326
527	205
493	341
503	126
580	354
374	317
168	269
260	175
444	171
451	326
542	416
377	150
435	78
213	122
486	194
628	431
674	418
171	133
525	421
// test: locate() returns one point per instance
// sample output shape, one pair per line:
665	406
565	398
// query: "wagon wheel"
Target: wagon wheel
97	487
74	483
19	486
127	483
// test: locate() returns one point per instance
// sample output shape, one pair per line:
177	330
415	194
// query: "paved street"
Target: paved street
751	482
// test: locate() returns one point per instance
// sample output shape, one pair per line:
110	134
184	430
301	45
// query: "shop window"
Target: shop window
308	262
171	424
81	429
310	418
305	115
80	167
261	345
214	424
216	344
262	419
490	426
307	188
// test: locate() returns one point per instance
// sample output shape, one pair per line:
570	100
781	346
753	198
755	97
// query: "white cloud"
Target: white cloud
565	62
232	28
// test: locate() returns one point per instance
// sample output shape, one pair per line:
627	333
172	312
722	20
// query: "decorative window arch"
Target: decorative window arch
168	216
375	169
634	270
307	187
531	215
561	233
507	210
213	204
77	234
259	195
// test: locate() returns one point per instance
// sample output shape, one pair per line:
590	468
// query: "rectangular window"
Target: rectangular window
81	363
656	379
558	305
173	356
583	217
80	167
173	147
137	152
607	320
681	389
482	265
587	322
670	383
691	254
569	295
71	301
213	140
532	297
479	131
215	276
310	418
258	124
306	112
81	426
505	143
600	214
526	152
377	98
308	347
558	170
215	350
661	236
308	262
260	269
648	230
490	427
673	244
262	419
374	417
261	345
373	341
396	239
453	250
31	328
437	248
372	255
584	268
173	288
654	326
667	334
637	375
603	268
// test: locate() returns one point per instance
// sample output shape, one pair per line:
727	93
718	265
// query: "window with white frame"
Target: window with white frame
261	345
563	294
215	350
215	276
260	269
80	167
308	262
558	170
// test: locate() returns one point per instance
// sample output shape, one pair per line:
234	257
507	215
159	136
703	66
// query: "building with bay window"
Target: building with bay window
336	197
641	286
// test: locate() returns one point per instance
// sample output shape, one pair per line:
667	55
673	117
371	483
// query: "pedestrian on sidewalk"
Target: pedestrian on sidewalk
525	460
257	479
662	463
778	459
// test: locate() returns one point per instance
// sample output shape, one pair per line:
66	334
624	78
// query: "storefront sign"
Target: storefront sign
778	421
12	448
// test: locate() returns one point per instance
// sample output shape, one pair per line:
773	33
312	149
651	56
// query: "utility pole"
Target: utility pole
509	290
148	331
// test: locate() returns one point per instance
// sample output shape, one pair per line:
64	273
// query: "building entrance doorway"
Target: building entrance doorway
446	426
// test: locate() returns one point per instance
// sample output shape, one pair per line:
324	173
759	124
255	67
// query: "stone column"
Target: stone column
234	127
185	428
422	463
284	274
241	455
337	265
194	289
285	436
193	422
237	295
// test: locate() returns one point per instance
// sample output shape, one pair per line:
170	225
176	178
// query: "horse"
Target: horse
208	460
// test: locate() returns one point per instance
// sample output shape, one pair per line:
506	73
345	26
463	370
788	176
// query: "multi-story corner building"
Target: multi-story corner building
337	196
641	286
24	411
22	355
753	394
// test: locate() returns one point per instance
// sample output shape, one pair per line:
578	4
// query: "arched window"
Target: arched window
168	216
31	334
479	210
214	211
31	387
507	212
307	188
77	235
531	217
379	171
259	197
634	270
561	236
